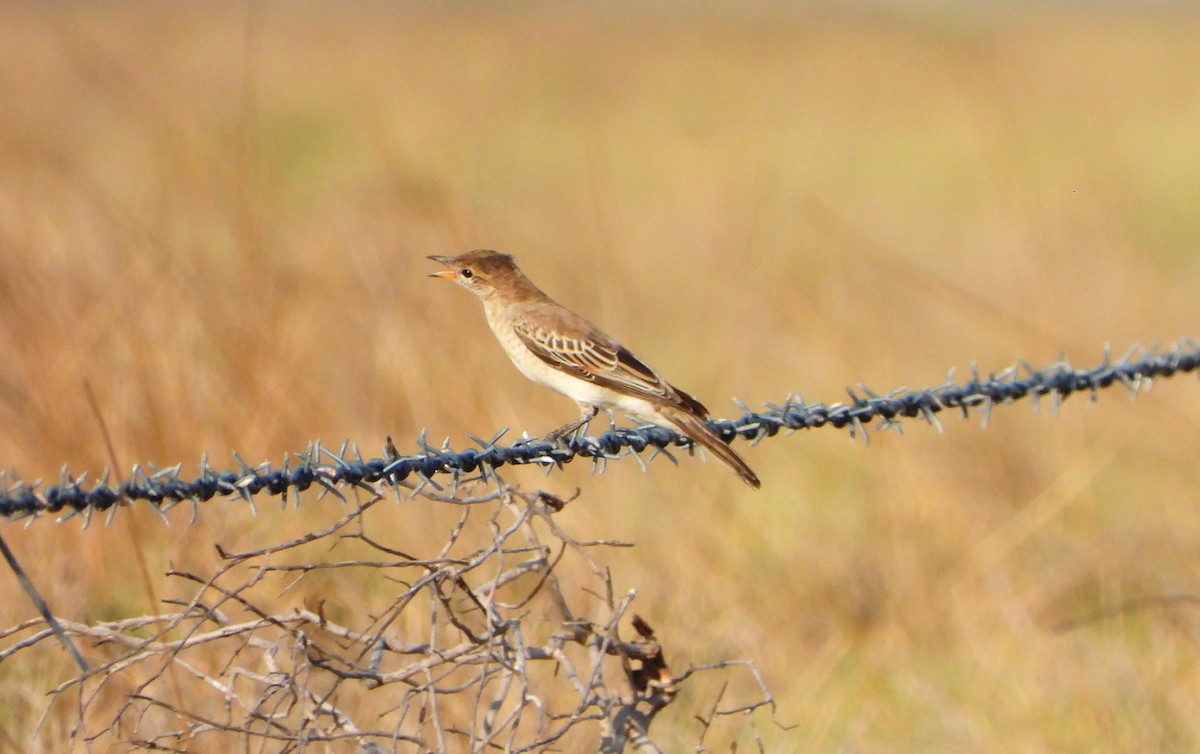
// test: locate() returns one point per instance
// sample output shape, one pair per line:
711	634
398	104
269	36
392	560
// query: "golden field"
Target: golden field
217	216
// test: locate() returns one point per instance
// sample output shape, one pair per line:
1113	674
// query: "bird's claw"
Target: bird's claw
561	437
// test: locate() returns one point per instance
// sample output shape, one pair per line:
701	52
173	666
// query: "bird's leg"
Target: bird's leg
589	413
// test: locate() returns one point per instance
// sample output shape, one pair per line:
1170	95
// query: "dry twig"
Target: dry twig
487	642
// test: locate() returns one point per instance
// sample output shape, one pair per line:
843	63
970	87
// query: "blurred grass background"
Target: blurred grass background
217	216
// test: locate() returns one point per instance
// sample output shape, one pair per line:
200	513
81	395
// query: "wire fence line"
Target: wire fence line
506	634
330	469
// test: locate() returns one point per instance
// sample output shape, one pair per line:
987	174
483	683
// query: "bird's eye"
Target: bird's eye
467	273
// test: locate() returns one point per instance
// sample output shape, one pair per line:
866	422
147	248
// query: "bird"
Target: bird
557	348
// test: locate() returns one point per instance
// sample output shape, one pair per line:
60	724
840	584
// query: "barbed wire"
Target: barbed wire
345	467
304	673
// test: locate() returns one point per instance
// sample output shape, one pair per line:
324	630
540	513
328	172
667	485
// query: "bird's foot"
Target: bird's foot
563	434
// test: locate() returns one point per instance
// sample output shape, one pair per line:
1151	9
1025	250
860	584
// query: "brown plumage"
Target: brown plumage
557	348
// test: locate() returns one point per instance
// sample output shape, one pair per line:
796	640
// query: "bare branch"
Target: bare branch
479	644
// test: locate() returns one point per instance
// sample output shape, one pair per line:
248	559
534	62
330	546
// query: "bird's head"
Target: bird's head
480	272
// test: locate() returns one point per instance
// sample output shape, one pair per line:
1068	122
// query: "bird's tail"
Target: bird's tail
697	429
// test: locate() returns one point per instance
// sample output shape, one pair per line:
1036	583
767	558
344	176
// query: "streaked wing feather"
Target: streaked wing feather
607	364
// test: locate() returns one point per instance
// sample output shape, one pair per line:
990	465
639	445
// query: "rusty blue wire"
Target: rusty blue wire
332	470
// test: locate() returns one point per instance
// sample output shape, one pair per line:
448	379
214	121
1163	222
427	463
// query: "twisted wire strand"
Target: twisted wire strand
330	470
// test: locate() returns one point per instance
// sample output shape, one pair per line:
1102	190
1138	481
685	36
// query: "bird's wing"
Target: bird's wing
581	350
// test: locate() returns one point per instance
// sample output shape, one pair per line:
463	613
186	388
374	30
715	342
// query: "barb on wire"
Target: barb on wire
330	470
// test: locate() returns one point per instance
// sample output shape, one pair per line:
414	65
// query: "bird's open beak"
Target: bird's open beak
444	274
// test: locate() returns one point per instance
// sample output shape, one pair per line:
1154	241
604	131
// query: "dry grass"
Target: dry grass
217	216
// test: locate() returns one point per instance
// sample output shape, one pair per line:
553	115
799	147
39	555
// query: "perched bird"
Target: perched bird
555	347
